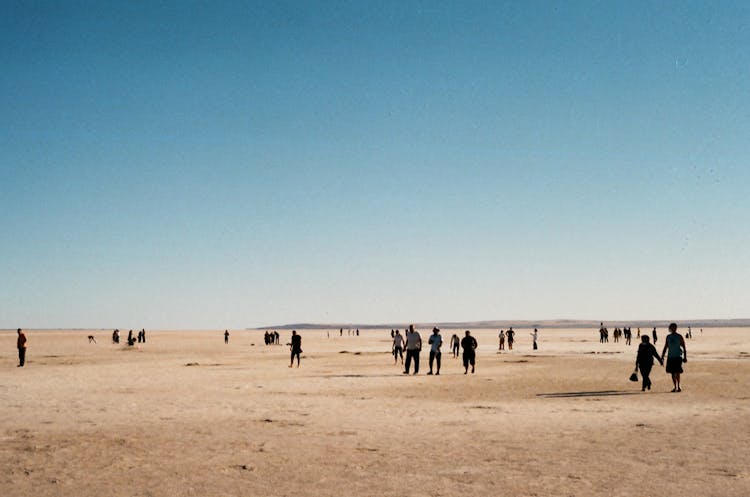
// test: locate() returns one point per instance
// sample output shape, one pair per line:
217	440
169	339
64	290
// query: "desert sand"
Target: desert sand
186	415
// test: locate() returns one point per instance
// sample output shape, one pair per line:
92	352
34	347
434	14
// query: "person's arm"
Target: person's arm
684	349
656	354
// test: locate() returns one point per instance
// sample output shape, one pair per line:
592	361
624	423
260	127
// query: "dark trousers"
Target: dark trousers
645	370
412	354
469	358
433	356
22	356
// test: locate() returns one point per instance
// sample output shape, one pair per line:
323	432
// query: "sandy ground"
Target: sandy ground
107	420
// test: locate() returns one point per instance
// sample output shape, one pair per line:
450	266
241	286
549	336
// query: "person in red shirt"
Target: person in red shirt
21	344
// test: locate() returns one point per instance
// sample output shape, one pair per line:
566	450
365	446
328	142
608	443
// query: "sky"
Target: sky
191	165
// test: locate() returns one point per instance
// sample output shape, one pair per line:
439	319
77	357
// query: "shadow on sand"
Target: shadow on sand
598	393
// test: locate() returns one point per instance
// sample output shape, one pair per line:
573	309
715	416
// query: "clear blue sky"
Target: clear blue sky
194	165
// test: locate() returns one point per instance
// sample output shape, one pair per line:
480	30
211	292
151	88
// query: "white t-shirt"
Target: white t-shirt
398	341
437	341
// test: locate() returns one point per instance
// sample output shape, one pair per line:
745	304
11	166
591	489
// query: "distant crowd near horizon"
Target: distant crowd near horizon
411	343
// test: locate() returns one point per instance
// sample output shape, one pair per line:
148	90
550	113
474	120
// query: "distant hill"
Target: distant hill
520	324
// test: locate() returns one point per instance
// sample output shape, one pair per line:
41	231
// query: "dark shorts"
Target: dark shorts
674	365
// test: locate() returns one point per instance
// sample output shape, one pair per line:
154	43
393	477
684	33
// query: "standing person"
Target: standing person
501	339
116	336
143	333
226	336
639	333
653	335
602	330
628	335
510	335
398	347
469	344
295	347
644	361
535	335
435	341
674	347
455	343
21	345
413	347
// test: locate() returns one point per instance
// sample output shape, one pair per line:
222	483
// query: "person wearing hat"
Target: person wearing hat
674	347
644	361
436	341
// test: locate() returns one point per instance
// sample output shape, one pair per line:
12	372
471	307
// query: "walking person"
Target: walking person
501	338
469	344
535	335
398	347
226	336
455	344
644	361
21	345
295	347
413	347
653	335
435	341
674	347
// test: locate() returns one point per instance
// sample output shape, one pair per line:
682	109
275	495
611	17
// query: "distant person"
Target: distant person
674	347
455	344
357	331
628	335
510	336
413	347
116	336
341	332
501	340
653	335
398	347
131	340
602	331
644	361
639	333
226	336
469	344
21	345
435	341
295	347
276	337
143	335
92	339
534	336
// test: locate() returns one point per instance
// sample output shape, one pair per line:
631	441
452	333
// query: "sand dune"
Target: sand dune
105	420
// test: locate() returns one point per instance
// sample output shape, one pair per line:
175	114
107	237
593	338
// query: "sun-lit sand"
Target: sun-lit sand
105	420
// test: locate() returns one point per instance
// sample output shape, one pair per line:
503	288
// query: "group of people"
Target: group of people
510	337
141	337
271	338
412	343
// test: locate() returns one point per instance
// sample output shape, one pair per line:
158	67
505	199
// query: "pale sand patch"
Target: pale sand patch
105	420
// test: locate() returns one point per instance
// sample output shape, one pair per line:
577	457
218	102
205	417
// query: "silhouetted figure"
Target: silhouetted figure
510	336
295	347
653	335
116	336
501	340
535	335
469	344
131	340
226	336
21	345
644	361
674	347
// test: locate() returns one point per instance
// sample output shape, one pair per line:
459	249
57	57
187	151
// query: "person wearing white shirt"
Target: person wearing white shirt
413	347
398	347
435	342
